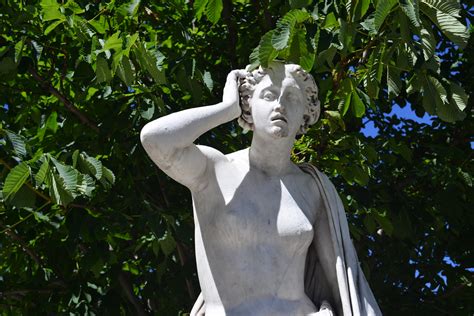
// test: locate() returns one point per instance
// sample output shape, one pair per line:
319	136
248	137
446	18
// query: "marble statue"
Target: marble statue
271	237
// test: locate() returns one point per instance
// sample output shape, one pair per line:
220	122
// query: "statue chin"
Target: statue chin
279	132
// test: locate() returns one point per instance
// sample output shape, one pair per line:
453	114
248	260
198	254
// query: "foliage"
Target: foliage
90	226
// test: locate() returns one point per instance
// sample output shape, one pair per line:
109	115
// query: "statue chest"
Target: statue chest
261	215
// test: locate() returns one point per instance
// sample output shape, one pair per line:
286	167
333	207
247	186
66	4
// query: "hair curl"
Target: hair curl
304	79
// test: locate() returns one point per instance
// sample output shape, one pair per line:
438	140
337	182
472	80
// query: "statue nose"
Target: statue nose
279	106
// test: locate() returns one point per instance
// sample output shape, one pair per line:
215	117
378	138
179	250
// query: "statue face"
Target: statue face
277	106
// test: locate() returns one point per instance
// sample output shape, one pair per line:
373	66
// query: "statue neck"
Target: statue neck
271	156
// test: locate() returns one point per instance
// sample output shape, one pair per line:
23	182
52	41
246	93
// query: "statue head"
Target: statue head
277	72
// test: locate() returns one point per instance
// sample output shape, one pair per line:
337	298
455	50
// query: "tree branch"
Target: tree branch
232	29
22	243
128	290
18	294
182	260
68	104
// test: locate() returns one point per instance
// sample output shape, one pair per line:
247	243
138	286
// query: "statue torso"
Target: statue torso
252	236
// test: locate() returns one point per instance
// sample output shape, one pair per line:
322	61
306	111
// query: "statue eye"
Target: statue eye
269	96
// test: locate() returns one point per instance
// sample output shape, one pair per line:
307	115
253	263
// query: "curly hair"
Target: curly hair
305	81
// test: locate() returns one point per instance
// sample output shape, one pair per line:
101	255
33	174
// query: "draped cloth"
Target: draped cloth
332	272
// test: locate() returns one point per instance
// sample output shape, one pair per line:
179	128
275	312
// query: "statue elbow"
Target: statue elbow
152	135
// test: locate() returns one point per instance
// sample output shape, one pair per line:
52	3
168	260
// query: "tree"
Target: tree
90	226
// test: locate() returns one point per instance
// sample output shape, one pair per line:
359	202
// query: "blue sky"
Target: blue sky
370	130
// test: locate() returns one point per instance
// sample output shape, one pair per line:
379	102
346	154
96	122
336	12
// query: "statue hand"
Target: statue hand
324	310
231	91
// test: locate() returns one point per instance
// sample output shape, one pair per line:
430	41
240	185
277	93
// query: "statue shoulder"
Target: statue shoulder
320	178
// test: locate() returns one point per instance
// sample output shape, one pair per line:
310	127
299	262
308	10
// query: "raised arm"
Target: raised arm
169	139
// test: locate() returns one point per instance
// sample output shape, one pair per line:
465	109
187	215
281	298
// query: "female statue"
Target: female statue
271	237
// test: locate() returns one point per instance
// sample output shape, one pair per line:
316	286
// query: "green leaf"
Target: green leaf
108	178
284	32
375	72
412	11
199	7
18	143
394	82
167	244
335	119
330	21
52	122
208	80
370	153
433	94
428	43
147	111
347	103
85	184
8	69
448	24
346	36
83	29
435	101
459	96
370	223
68	183
298	4
38	49
266	52
450	112
254	59
369	25
299	52
358	107
149	63
74	7
123	236
360	175
213	10
113	42
68	175
102	70
89	165
57	191
449	7
357	9
382	11
116	60
50	10
130	8
350	4
99	26
386	224
125	71
465	177
23	198
19	50
42	172
15	179
130	42
429	101
95	167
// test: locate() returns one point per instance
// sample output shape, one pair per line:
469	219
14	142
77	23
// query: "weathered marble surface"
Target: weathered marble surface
256	213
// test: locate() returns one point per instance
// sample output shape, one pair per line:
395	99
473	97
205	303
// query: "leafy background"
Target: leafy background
90	226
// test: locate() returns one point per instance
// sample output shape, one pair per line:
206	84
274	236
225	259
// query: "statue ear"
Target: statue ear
245	120
309	119
247	116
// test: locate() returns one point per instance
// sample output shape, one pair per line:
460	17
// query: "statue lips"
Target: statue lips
278	117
